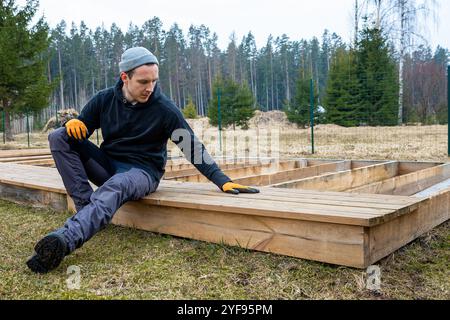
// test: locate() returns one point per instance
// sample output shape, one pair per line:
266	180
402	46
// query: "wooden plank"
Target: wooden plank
183	164
437	188
180	165
408	184
212	198
356	164
25	158
346	180
299	194
291	165
170	166
317	162
261	207
232	173
300	198
32	177
386	238
34	197
44	162
173	173
406	167
23	153
280	177
337	244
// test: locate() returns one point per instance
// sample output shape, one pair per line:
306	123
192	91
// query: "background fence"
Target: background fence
357	126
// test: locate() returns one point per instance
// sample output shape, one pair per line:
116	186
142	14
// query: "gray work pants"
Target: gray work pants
77	163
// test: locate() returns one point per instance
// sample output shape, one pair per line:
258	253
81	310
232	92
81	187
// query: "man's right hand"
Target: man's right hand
76	129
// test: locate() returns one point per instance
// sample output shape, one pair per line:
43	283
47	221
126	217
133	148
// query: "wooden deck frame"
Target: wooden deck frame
354	230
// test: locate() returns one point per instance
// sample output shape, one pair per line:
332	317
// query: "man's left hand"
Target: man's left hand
234	188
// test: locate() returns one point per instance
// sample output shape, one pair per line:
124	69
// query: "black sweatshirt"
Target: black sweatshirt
138	134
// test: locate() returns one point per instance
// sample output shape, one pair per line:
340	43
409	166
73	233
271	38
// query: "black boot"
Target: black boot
50	251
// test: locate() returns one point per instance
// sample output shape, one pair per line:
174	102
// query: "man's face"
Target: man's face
142	83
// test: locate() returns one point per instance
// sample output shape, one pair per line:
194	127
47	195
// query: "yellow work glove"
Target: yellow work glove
234	188
76	129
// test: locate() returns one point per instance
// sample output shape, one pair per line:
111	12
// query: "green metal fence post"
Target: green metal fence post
448	107
220	117
28	129
312	115
4	129
56	117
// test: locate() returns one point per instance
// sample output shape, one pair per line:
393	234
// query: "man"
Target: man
136	120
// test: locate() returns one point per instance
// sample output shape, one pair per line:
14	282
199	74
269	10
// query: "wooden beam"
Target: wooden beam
233	173
284	176
179	165
192	174
346	180
408	184
330	243
434	189
32	177
25	158
35	197
43	162
23	153
178	174
388	237
406	167
356	164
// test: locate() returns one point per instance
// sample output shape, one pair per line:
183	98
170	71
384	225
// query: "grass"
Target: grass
120	263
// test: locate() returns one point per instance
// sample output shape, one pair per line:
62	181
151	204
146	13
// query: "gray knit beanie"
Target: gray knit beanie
136	57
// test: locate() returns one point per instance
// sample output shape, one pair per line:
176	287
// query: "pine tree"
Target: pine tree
324	63
363	85
190	111
236	104
299	112
213	107
24	86
342	99
243	107
378	79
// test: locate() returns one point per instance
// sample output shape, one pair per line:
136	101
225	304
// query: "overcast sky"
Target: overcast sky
297	18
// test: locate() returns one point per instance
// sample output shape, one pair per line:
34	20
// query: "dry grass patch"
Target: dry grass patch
121	263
